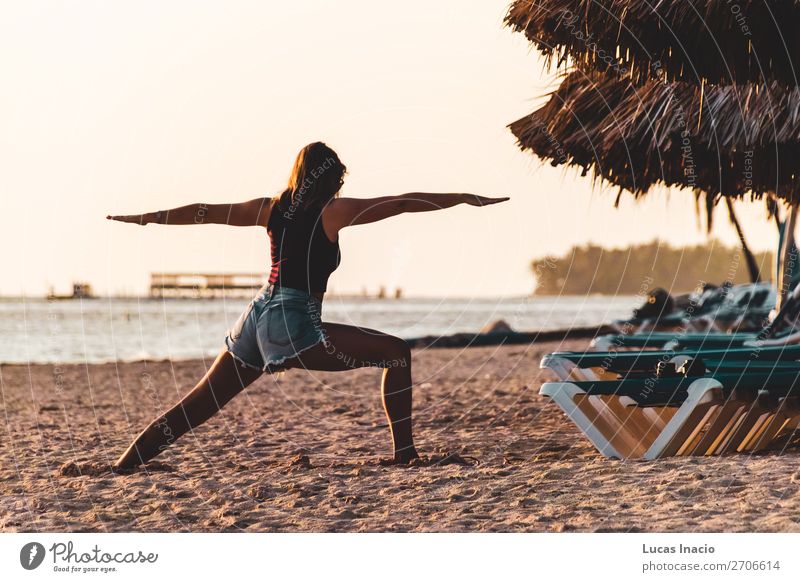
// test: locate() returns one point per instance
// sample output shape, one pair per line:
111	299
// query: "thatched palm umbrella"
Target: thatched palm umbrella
670	92
728	140
736	141
717	41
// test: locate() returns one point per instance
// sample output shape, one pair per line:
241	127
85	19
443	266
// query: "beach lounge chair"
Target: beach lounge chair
685	415
719	309
591	366
748	308
783	330
670	340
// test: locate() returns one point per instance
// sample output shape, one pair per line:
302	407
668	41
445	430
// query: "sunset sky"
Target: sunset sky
125	107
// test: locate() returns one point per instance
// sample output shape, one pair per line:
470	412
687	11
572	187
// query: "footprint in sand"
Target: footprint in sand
85	468
97	468
261	492
299	463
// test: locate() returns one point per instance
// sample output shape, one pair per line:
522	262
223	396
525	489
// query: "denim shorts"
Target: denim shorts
277	324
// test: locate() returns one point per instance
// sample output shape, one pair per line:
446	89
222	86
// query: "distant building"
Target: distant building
80	290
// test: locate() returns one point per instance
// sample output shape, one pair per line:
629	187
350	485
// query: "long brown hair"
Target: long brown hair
316	178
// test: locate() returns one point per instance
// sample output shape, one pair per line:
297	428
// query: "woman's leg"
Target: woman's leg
224	380
352	347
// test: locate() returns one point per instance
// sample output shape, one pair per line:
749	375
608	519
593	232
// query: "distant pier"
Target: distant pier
206	285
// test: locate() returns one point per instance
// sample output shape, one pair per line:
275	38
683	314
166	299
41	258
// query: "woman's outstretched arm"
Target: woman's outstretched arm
251	213
343	212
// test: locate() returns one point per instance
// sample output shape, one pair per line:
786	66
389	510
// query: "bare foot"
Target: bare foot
126	469
441	459
118	470
403	457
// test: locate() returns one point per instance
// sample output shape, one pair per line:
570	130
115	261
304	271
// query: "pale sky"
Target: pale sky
125	107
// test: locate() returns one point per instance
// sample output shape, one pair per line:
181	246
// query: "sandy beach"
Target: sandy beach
299	453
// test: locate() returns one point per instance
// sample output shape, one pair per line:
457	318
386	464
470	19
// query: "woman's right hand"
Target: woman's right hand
140	219
475	200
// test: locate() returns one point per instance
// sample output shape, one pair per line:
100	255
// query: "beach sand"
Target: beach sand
245	470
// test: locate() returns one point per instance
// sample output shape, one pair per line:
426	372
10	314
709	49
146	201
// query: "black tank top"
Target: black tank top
303	257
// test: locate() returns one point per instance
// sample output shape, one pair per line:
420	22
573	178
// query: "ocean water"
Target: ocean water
113	329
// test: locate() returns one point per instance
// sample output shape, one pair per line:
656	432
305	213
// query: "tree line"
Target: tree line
592	269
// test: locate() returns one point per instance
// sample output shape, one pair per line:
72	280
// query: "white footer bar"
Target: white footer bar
406	557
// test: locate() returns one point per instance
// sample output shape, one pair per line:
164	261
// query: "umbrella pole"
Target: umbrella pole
788	256
776	263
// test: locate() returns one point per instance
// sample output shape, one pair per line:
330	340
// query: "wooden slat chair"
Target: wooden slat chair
680	416
589	366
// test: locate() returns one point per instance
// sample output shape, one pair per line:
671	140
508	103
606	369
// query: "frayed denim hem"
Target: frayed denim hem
241	361
274	364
